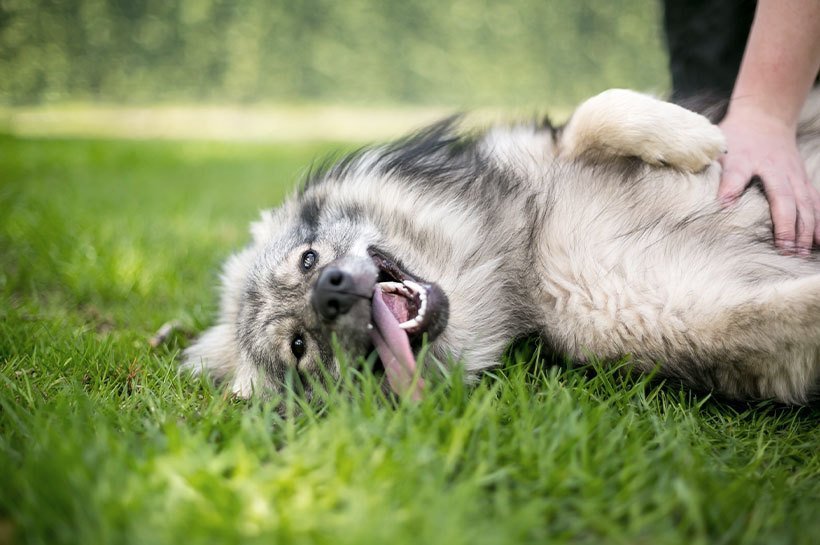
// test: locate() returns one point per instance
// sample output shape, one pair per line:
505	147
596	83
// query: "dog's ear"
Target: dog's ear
234	277
215	353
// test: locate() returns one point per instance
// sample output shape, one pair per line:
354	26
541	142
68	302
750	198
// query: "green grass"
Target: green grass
102	442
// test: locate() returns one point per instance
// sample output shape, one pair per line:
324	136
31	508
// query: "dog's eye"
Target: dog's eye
298	346
308	260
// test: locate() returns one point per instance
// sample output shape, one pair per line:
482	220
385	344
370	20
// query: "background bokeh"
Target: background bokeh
461	53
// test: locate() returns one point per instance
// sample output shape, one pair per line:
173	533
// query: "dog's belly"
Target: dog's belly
616	254
656	269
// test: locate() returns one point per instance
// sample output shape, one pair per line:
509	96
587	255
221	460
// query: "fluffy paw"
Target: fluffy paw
625	123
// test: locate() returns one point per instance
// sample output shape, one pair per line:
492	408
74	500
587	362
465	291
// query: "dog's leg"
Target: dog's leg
774	341
628	124
741	340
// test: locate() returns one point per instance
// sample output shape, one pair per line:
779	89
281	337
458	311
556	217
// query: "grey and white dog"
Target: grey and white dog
604	237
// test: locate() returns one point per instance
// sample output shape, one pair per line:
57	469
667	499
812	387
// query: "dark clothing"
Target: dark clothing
706	39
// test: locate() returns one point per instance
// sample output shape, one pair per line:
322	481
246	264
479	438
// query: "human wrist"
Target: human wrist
761	114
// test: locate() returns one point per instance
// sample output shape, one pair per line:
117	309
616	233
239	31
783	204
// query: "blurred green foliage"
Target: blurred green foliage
460	52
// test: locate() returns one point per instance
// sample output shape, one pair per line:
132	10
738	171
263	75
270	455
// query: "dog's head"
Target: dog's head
310	276
388	247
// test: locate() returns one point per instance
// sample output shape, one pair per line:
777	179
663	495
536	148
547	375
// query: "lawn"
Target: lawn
101	242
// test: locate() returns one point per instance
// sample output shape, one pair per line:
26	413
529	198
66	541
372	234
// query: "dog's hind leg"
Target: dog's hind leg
624	123
742	340
766	346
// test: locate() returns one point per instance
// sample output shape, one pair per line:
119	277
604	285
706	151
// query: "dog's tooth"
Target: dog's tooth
413	286
411	323
408	324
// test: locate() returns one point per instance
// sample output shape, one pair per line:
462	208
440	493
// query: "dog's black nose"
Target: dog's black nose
334	293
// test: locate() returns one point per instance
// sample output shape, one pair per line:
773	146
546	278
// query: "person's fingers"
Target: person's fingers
806	218
784	209
733	181
814	195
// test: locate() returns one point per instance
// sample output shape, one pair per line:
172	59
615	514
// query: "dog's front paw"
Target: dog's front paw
625	123
677	137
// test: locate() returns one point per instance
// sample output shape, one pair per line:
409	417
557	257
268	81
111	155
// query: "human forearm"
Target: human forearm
781	60
780	63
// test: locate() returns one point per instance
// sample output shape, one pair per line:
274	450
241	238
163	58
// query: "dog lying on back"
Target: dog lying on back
604	237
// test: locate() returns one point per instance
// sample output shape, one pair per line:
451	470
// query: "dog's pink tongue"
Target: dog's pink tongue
394	349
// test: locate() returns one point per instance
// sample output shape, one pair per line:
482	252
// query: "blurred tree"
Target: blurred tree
458	52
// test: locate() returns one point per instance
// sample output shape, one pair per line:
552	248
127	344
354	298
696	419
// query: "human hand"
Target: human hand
762	145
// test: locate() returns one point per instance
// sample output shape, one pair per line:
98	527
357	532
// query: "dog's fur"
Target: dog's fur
604	237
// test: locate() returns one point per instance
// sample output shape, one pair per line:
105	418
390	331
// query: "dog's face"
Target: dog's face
303	287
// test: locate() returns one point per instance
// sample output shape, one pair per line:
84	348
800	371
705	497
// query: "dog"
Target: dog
603	237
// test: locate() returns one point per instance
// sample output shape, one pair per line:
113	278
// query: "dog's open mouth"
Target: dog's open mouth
407	301
404	308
